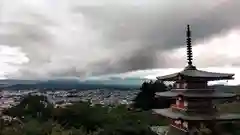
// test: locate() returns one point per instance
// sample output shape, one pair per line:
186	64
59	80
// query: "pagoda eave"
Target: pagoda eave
178	115
213	95
198	74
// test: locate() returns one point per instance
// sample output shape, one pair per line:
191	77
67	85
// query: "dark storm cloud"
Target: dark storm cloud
156	31
221	19
77	40
159	28
21	32
142	59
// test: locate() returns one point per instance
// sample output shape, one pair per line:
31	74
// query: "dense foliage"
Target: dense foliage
36	116
146	99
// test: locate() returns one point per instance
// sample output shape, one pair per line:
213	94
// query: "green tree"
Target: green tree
82	114
127	127
146	99
11	127
34	106
33	127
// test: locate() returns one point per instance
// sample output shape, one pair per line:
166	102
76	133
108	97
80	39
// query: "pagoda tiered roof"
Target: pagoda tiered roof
196	94
195	73
196	116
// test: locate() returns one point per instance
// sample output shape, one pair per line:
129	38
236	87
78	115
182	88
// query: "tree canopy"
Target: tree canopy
146	99
39	117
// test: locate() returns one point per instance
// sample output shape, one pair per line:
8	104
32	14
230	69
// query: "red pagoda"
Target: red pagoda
194	105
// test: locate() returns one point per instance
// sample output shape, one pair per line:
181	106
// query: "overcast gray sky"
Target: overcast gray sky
63	38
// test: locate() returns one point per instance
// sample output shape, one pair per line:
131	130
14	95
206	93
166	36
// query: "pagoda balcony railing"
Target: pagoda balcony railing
201	110
180	124
195	90
197	109
194	112
179	127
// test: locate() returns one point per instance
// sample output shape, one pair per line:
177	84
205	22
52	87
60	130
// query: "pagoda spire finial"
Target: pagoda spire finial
189	46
